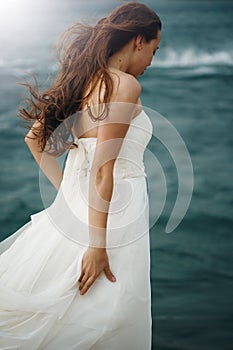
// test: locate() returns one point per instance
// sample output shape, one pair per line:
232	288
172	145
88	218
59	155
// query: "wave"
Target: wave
196	62
22	66
171	58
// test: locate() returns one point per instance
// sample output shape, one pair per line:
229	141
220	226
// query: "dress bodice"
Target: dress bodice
129	162
127	213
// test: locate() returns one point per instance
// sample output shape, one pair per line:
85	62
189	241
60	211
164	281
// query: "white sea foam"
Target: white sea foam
22	66
191	57
200	61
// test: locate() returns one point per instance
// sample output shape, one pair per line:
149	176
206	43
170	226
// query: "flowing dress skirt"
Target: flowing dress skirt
40	304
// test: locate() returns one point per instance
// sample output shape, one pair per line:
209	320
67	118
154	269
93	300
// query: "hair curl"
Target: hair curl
82	52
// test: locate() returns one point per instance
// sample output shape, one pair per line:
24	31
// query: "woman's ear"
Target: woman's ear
138	41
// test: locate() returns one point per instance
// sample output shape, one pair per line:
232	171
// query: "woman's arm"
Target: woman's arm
47	163
111	133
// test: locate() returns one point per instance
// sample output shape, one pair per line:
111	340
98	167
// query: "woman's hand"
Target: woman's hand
94	261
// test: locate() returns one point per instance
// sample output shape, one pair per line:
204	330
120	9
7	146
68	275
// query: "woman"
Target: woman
77	276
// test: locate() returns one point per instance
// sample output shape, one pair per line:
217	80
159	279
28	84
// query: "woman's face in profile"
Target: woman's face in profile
144	56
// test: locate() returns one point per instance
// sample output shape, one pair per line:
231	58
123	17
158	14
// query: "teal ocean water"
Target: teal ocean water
190	83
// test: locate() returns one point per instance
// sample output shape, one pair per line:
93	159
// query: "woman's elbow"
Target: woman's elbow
103	174
102	180
27	140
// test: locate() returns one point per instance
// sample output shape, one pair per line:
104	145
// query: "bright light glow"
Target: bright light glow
11	9
14	16
19	20
10	5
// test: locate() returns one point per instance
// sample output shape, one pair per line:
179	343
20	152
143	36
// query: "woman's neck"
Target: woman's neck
121	59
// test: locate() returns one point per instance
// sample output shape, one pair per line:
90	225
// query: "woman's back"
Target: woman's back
84	125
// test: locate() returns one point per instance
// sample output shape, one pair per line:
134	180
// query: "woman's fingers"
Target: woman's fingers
109	274
87	280
93	263
87	284
81	276
83	281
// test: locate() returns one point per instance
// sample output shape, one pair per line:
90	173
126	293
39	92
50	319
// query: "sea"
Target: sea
188	93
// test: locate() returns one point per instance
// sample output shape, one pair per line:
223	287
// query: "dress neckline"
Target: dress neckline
95	138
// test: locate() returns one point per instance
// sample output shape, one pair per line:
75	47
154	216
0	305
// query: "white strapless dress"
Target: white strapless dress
40	304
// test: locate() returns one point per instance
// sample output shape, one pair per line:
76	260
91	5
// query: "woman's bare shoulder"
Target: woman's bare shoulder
124	85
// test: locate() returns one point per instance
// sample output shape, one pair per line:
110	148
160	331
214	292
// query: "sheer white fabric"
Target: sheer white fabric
40	304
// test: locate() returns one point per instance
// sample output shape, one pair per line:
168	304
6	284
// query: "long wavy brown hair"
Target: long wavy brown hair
83	51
